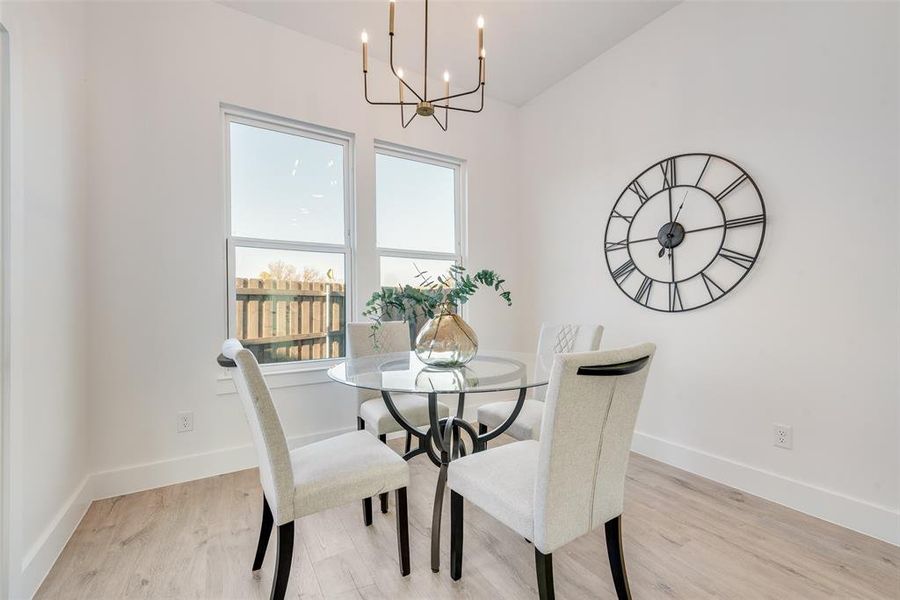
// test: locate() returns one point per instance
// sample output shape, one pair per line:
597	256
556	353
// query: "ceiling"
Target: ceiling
530	45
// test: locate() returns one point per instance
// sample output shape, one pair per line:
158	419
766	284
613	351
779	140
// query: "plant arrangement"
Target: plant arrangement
445	292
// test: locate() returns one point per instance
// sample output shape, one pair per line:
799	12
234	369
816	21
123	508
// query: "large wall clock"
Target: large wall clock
685	232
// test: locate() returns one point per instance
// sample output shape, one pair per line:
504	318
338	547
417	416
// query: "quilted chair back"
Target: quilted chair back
562	339
392	336
585	440
275	473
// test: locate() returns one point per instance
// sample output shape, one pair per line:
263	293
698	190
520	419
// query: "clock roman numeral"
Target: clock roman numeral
617	215
707	281
675	298
745	261
668	172
643	293
613	246
731	187
702	171
624	271
745	221
638	190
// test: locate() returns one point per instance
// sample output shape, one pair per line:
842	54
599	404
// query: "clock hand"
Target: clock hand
671	227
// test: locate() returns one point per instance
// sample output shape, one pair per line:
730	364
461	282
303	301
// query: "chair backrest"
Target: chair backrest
392	336
585	439
275	473
563	338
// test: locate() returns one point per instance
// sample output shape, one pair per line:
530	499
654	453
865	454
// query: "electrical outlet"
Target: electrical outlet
185	422
784	436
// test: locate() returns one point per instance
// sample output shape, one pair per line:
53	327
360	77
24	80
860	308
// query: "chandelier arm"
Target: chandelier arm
394	71
375	103
405	125
441	125
461	94
470	110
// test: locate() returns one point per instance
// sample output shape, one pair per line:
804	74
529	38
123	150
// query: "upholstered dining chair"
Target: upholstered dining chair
373	414
341	469
572	480
554	339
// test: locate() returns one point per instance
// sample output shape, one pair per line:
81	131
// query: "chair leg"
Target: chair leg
402	532
482	429
367	511
383	497
367	502
616	558
408	446
265	532
456	535
283	560
544	567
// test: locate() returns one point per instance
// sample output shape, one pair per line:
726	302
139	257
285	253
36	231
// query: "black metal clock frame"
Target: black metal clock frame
670	180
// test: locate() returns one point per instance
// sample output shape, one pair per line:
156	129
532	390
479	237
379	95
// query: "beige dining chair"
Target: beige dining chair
554	339
572	480
312	478
373	414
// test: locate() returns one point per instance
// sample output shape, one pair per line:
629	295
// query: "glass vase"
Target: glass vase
446	341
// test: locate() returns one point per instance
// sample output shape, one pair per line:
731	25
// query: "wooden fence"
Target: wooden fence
281	320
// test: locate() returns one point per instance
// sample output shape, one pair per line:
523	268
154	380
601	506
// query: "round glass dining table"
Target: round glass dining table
442	439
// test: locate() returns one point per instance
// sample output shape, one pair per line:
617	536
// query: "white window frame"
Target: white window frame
459	200
231	114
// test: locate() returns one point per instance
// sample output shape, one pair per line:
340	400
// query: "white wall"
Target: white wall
159	72
805	97
48	402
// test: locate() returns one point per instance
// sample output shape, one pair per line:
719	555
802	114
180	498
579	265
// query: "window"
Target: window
288	238
419	216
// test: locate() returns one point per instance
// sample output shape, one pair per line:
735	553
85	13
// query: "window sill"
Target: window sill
282	376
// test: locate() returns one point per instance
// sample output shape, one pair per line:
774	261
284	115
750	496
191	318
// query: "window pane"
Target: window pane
415	205
286	187
290	305
402	271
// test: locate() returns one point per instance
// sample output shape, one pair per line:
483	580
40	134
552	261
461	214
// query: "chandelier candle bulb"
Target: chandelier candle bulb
447	85
365	42
480	35
393	3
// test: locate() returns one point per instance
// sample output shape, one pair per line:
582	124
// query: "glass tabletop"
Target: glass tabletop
403	372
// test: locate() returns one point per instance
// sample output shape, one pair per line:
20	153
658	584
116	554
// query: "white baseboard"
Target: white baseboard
41	556
147	476
853	513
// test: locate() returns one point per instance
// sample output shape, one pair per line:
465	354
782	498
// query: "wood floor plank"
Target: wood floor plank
685	537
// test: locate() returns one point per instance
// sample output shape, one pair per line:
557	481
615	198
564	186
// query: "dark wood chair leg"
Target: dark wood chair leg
283	560
616	558
367	511
482	429
383	497
544	567
456	535
402	532
408	446
265	532
367	502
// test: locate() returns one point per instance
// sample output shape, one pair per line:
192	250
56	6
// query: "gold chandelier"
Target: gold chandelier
424	106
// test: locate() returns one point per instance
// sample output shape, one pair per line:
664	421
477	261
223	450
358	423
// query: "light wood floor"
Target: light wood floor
684	537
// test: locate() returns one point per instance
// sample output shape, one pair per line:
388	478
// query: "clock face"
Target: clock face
685	232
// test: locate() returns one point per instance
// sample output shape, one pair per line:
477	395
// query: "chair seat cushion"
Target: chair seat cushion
344	468
413	407
500	481
527	425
